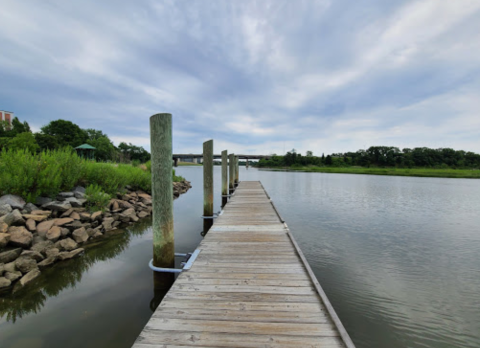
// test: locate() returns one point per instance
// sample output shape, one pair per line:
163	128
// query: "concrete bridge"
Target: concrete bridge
195	157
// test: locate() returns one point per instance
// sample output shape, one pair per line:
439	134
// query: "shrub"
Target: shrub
96	198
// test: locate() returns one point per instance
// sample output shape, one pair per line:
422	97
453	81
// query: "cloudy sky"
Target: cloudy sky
256	76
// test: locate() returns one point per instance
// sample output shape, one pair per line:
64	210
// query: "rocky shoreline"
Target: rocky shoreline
35	236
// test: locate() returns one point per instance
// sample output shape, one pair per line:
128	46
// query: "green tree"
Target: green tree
105	150
132	152
67	133
328	160
46	142
23	141
19	127
309	153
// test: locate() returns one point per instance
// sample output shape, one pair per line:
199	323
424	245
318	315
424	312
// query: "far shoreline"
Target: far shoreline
415	172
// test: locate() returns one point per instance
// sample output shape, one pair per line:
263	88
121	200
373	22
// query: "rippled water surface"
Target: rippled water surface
398	257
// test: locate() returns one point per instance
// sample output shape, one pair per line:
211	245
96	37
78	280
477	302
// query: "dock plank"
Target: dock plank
249	287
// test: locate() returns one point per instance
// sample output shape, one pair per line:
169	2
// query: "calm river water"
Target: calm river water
399	258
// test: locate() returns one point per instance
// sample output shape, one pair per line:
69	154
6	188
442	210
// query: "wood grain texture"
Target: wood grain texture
248	287
162	190
224	177
231	167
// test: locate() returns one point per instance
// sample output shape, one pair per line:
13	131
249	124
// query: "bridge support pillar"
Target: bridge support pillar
175	161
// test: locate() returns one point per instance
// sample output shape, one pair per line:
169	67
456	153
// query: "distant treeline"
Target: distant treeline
60	134
381	156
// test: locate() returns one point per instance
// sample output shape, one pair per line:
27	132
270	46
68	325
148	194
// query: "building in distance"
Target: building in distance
6	116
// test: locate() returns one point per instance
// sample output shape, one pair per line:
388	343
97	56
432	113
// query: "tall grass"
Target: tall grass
50	172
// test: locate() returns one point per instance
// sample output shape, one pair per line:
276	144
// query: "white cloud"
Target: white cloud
256	76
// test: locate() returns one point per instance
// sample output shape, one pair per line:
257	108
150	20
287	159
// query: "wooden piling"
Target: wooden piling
237	170
162	197
207	185
224	177
231	166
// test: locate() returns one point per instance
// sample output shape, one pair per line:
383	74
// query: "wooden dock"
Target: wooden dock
250	286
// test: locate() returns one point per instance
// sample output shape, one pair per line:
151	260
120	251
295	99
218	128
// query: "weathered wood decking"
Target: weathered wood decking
250	286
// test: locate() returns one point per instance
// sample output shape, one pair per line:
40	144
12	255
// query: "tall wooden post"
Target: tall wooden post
162	198
237	170
224	178
231	166
207	185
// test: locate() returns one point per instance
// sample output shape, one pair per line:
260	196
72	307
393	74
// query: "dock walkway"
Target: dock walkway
250	286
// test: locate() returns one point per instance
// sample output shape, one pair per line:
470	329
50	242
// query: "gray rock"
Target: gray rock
80	235
64	255
10	267
16	202
79	189
53	252
97	234
13	276
74	225
67	213
4	282
10	255
5	209
142	214
80	195
63	221
57	206
134	218
116	224
54	233
25	264
62	196
32	254
47	213
31	225
97	216
48	261
29	207
107	223
19	236
43	227
77	252
2	268
74	202
65	231
84	216
42	247
37	239
4	238
3	227
66	244
43	200
82	201
36	218
14	218
27	278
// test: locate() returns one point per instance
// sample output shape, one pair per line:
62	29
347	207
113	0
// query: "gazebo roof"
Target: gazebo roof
85	147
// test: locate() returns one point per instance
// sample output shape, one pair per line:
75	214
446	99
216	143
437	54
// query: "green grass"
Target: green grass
50	172
420	172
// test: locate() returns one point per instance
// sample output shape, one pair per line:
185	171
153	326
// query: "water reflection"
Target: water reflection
68	273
